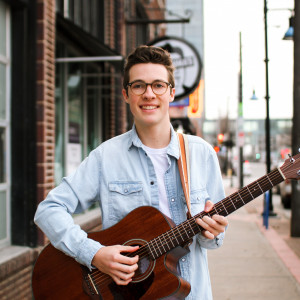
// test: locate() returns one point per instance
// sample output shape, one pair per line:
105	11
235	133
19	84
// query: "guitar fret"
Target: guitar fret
269	180
241	198
149	247
254	190
235	199
232	202
177	227
162	245
225	208
171	240
166	241
191	228
198	227
187	227
157	246
183	226
249	192
175	236
215	210
259	186
183	232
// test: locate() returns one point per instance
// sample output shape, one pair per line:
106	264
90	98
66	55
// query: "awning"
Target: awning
92	48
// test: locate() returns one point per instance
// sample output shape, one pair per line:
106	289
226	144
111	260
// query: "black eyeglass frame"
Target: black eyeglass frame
146	83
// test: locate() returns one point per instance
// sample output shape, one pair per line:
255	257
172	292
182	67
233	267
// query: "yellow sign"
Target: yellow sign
195	108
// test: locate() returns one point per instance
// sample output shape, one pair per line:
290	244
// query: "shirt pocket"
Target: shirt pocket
124	196
198	199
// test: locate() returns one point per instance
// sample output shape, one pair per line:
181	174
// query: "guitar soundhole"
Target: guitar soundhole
145	264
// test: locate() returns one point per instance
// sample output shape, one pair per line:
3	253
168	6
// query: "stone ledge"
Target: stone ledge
15	258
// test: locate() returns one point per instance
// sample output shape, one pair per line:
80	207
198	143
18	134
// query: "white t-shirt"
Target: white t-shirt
160	162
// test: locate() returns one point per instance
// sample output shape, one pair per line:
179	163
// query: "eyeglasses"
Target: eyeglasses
139	87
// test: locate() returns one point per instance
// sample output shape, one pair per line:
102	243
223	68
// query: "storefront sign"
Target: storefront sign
186	61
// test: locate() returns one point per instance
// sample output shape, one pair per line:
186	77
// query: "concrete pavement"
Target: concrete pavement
255	263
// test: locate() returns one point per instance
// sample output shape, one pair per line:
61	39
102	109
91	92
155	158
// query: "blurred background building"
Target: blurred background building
60	96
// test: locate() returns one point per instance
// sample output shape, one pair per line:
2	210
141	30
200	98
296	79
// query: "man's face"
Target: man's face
149	109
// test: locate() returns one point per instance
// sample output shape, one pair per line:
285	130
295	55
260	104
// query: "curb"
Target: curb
286	254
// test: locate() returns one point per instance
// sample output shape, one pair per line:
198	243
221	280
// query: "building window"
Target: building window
87	14
80	92
4	125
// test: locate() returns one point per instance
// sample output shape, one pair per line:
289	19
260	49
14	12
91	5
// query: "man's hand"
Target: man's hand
212	226
121	268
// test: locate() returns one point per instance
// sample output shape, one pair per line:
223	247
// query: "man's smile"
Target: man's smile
149	107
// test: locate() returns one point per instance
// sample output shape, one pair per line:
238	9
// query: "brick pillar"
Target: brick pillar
45	98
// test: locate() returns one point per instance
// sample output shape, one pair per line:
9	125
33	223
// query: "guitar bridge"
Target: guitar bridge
89	286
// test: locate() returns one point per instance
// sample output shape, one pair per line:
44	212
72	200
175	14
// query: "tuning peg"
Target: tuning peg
292	160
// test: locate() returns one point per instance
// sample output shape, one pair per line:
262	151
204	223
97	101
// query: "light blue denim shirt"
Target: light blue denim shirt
120	177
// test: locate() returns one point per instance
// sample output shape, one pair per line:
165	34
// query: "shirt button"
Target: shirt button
152	182
172	199
183	259
125	191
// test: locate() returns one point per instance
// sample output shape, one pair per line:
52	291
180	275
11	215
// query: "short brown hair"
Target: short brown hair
149	54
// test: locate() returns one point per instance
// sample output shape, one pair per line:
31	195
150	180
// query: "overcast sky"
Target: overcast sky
223	20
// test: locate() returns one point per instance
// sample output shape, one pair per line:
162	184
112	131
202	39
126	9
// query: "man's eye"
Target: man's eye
158	85
137	86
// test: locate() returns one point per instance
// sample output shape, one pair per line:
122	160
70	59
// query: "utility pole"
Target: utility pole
295	217
267	121
240	129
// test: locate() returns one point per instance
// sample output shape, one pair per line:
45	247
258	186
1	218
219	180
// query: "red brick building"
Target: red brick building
60	96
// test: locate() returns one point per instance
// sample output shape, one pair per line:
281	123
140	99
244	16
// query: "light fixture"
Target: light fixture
289	35
253	97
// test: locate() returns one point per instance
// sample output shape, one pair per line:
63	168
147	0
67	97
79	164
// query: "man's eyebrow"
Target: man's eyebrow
137	80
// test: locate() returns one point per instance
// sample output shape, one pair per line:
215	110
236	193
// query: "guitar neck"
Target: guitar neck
182	233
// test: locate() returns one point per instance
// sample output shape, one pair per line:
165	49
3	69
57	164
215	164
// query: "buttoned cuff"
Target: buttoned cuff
211	244
87	251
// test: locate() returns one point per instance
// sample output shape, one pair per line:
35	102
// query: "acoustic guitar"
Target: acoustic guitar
162	244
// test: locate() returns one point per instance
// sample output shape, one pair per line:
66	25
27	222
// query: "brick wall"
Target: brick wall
15	273
45	98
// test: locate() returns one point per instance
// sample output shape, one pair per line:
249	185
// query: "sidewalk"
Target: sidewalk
255	263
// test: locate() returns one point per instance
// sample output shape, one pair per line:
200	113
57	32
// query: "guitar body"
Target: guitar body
57	276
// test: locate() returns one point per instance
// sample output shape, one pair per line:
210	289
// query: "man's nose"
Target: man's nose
149	91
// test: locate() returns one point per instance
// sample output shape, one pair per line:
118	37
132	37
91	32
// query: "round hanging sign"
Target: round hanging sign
187	62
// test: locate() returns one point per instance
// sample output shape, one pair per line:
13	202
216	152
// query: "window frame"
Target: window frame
5	124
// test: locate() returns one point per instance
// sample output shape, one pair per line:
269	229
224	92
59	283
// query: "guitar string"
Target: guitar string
262	183
182	229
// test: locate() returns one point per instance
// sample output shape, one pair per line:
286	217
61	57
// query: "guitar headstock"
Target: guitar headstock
291	167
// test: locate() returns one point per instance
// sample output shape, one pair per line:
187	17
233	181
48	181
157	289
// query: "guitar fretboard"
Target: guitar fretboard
182	233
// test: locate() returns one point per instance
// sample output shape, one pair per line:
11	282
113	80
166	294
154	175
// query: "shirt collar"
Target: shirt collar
173	147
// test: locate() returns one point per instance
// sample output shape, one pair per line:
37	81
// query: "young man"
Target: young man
136	169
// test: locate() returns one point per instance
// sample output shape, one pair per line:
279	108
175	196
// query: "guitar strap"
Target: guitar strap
184	169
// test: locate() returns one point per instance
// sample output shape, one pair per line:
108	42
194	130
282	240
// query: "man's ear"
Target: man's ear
125	95
172	94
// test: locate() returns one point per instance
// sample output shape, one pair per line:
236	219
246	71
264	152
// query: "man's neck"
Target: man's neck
155	137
